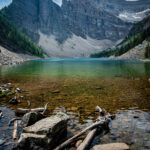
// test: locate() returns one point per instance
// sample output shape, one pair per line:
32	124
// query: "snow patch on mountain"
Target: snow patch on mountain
134	17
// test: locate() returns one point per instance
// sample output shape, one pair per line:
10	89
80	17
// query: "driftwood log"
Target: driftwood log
22	111
1	114
45	108
29	104
87	141
15	130
13	120
101	121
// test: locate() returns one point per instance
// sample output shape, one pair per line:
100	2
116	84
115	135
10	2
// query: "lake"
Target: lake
77	86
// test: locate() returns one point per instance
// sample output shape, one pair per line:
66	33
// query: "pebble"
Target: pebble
18	90
14	100
135	116
55	91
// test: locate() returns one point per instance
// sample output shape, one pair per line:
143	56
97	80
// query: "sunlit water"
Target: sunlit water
77	86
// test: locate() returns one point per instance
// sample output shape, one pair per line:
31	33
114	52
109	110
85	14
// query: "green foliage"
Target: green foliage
105	53
9	34
2	94
147	51
126	45
140	26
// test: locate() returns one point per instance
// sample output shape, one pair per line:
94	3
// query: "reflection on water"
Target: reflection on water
81	85
79	67
131	127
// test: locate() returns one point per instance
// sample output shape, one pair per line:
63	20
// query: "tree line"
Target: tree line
126	45
10	34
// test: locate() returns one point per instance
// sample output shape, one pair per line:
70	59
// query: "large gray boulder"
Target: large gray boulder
44	134
30	118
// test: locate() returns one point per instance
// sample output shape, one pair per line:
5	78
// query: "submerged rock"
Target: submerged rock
30	118
2	142
111	146
44	134
55	91
18	90
14	100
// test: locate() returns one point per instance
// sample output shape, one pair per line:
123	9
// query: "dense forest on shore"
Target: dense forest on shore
12	37
129	42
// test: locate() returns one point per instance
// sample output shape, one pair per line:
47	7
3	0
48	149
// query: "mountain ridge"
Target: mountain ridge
75	19
139	37
16	41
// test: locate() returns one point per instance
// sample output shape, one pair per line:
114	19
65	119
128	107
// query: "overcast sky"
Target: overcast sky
4	3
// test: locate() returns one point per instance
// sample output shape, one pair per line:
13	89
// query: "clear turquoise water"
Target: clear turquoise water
77	86
80	67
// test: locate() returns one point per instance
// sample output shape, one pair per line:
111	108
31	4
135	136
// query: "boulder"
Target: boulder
30	118
18	90
44	134
2	142
14	100
111	146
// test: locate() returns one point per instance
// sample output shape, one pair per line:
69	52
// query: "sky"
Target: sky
4	3
58	2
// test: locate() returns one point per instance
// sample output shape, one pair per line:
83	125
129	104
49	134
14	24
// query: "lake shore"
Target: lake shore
130	121
11	58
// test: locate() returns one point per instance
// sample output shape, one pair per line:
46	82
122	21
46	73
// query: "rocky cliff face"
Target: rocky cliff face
52	26
140	26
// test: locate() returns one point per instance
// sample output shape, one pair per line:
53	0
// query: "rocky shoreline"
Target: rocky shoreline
11	58
40	131
136	53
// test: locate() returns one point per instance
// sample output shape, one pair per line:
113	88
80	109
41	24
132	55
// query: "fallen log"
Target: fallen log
15	130
100	122
1	114
87	141
101	112
45	108
78	143
29	104
22	111
13	120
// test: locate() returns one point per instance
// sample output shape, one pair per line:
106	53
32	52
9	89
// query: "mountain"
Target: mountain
135	44
140	26
16	41
127	10
74	28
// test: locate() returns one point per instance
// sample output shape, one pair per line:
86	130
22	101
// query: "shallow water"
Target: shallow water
77	86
